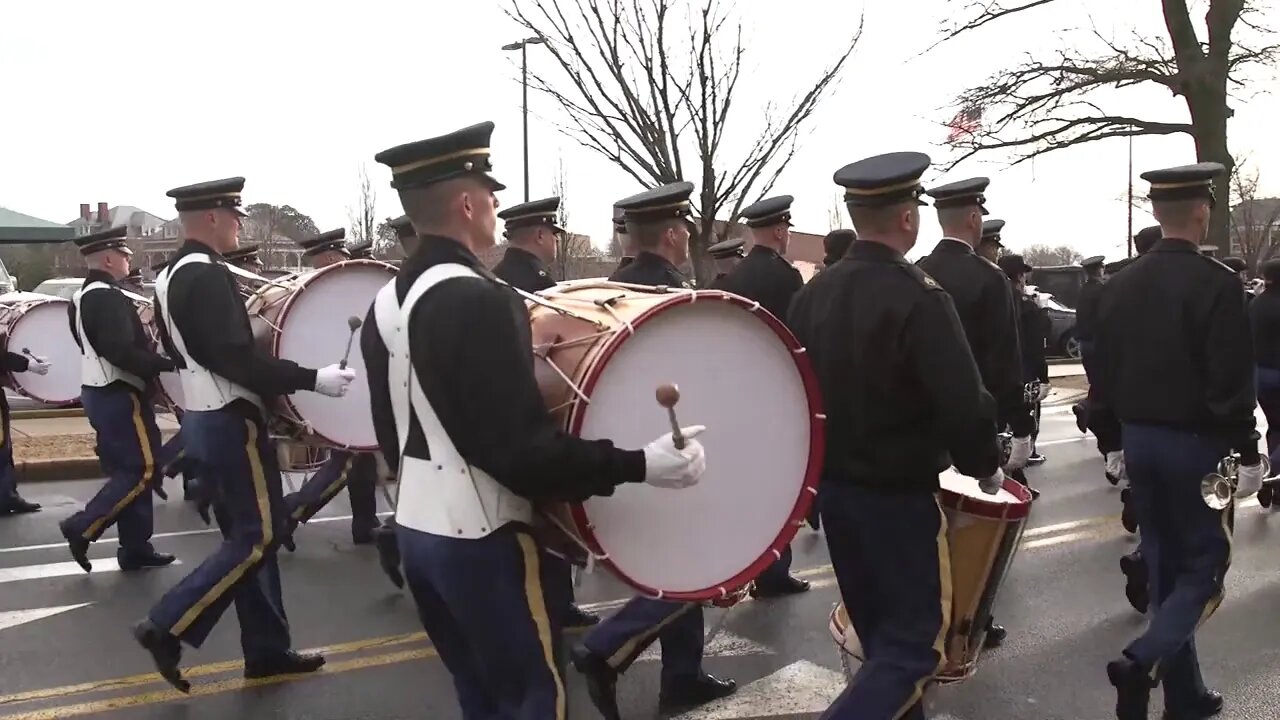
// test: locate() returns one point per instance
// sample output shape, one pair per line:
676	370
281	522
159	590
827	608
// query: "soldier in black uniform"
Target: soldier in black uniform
356	471
991	244
246	257
133	281
115	370
532	236
361	251
904	401
1264	319
1034	326
726	254
11	503
625	242
473	444
1174	368
1143	241
657	223
1086	318
836	245
532	231
225	379
766	277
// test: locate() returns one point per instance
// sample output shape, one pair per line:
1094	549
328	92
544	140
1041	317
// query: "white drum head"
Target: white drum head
959	484
738	377
314	333
43	329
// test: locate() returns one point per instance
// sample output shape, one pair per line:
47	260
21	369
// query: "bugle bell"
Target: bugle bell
1219	488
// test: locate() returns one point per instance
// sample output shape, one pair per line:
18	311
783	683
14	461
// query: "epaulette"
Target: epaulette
918	274
1218	263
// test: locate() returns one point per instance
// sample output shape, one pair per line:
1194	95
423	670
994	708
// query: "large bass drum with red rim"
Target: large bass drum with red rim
35	325
600	351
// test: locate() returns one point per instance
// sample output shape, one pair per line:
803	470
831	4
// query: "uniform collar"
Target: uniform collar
525	256
950	244
438	249
99	276
874	251
763	250
649	258
191	245
1175	245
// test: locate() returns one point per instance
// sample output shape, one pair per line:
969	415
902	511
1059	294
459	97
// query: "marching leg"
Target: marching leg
362	490
11	503
777	580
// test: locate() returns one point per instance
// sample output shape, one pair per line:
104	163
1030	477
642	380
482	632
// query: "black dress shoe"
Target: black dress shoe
384	539
995	635
165	651
1206	706
792	585
602	681
1133	689
1035	459
78	546
1135	581
575	617
687	692
1128	516
362	533
288	663
1082	417
130	562
16	505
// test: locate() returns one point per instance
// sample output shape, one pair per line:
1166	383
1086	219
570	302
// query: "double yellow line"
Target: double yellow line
389	650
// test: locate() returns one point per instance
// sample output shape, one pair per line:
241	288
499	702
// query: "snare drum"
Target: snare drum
304	318
983	532
37	325
601	349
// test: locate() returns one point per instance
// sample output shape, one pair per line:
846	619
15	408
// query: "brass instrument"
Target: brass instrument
1219	488
1031	392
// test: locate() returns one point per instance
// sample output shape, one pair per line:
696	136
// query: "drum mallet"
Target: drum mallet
354	323
668	395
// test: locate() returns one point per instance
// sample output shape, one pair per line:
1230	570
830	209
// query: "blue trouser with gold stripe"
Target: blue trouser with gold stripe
778	572
892	561
357	472
484	605
620	638
234	452
1187	548
127	443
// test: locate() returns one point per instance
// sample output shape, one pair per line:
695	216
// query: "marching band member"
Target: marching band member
766	277
1034	326
356	471
246	257
133	281
460	340
726	254
836	245
1264	320
658	225
361	251
1086	319
11	503
531	232
904	400
116	369
625	242
1174	367
225	377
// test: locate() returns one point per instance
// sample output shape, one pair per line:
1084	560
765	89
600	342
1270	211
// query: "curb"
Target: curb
57	469
50	413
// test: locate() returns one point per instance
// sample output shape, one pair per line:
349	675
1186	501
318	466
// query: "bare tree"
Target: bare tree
277	229
1041	255
836	214
363	216
1255	221
1047	103
655	96
574	253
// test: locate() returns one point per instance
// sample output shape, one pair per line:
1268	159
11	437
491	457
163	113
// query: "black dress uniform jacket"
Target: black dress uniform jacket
114	330
765	277
1087	309
984	302
903	396
1034	326
523	270
209	312
650	269
1264	318
1173	348
471	348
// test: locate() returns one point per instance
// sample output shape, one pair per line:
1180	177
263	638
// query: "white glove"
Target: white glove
1115	466
1248	480
992	484
1019	454
1044	392
39	365
667	467
332	380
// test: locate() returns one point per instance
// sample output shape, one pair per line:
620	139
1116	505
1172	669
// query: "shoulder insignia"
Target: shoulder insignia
990	264
542	273
928	281
1218	263
685	284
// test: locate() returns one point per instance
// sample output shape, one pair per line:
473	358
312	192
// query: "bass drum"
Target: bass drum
307	319
37	325
600	351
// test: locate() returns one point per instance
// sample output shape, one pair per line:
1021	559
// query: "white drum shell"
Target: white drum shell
40	325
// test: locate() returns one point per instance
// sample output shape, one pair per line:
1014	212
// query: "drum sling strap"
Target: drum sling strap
442	494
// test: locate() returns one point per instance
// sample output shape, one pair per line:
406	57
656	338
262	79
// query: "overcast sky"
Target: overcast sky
119	101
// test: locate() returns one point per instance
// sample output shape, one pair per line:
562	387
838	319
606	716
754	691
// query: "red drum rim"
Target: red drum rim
973	505
304	280
813	471
13	381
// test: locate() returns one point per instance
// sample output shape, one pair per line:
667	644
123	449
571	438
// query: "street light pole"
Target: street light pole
523	47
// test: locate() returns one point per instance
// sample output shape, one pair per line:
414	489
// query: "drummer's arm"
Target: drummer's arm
965	411
14	363
476	367
216	329
110	325
376	361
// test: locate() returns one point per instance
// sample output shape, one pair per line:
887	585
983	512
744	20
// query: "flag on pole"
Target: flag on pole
965	124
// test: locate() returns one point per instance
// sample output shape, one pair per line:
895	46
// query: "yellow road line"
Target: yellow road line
217	688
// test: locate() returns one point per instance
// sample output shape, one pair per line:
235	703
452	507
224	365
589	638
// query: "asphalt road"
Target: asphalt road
70	654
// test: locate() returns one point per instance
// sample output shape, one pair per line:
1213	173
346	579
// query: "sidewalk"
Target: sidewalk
62	448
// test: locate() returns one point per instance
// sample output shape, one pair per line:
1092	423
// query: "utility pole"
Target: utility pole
1129	241
522	46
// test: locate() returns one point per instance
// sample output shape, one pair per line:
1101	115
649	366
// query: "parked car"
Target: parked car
1062	326
64	288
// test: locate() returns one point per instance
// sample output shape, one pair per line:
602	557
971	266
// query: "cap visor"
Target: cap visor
239	211
493	182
